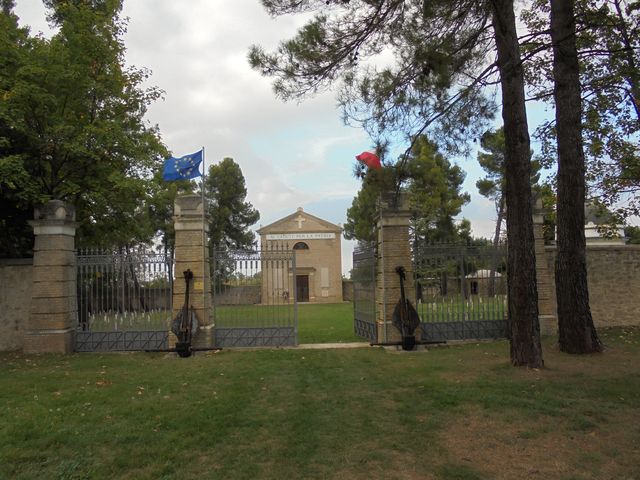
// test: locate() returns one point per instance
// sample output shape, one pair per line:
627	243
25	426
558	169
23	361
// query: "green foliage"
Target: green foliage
435	196
230	214
361	215
72	122
548	197
433	188
433	84
633	235
608	40
492	160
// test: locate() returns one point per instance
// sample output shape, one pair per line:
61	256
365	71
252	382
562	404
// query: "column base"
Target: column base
205	337
548	325
48	341
393	335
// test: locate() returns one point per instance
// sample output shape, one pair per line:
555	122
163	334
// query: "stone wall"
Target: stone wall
347	290
614	283
243	295
15	301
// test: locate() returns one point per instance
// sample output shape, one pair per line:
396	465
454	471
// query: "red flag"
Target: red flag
370	159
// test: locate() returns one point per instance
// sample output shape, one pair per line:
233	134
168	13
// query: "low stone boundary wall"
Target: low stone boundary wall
15	301
614	283
242	295
347	290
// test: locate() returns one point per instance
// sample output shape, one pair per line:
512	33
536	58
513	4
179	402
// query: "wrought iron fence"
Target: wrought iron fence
461	291
254	297
364	292
125	296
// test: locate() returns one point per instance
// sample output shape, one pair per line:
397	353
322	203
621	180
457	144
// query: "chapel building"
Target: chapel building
317	245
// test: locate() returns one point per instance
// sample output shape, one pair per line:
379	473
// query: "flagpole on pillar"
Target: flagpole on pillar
205	319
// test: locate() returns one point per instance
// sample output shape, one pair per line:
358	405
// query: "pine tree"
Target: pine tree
435	87
577	333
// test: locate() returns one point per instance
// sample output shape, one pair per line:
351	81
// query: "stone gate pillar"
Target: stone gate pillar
394	249
547	315
192	252
54	312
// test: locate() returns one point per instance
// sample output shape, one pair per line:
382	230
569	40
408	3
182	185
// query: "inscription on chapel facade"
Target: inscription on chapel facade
316	242
301	236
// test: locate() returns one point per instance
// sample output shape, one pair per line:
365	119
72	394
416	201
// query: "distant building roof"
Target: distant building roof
596	214
483	274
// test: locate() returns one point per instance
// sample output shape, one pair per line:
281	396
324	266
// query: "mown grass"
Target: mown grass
317	323
326	323
450	412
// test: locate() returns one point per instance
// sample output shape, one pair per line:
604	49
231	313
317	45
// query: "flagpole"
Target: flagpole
205	316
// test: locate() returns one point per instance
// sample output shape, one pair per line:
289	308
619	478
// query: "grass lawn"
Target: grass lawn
317	323
328	323
455	412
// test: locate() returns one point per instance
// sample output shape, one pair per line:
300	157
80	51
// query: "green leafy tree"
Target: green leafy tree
440	58
18	190
433	187
547	195
72	124
361	215
231	216
491	158
608	49
633	235
493	185
435	194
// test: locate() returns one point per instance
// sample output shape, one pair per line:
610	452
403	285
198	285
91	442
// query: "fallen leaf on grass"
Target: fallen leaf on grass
103	383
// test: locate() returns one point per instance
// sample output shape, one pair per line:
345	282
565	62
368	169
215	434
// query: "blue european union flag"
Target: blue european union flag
182	168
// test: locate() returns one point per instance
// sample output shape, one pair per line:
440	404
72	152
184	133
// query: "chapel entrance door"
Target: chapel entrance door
302	288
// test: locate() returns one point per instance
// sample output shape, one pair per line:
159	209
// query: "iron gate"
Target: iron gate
124	300
461	291
364	292
254	298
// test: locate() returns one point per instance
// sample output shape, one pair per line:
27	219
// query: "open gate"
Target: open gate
254	297
364	292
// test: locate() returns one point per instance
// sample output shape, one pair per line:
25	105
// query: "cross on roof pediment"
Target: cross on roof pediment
300	221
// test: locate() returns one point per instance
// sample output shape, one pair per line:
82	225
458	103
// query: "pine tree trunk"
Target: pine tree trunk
496	242
521	261
575	324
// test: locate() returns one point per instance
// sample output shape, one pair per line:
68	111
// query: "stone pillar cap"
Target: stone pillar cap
55	210
188	205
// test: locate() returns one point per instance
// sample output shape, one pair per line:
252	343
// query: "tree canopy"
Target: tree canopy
433	86
433	186
72	125
230	215
491	158
608	43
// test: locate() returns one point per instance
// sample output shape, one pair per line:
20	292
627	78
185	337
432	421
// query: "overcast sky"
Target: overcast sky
292	155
